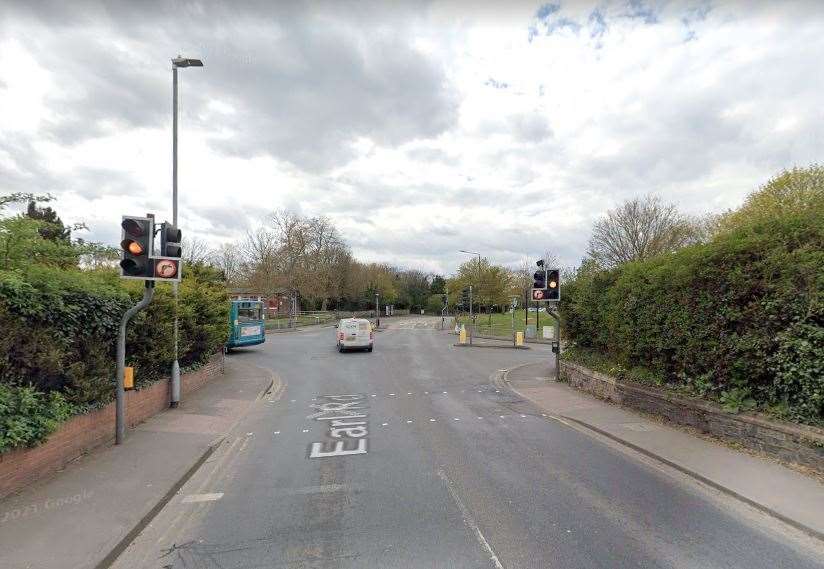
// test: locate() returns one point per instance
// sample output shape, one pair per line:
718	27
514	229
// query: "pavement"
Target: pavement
416	455
84	515
784	493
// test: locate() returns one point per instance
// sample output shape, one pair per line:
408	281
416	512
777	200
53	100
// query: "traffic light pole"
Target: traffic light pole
120	392
556	343
377	311
175	395
471	319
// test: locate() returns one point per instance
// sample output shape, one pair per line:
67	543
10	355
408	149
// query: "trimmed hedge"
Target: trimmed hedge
59	331
740	318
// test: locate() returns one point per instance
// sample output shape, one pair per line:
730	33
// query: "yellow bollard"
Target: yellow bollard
519	338
128	378
462	336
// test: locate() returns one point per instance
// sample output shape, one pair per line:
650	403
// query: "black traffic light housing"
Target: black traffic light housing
137	237
539	279
553	284
170	241
138	260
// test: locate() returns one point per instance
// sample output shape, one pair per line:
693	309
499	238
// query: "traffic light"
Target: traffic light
539	279
138	260
136	247
170	241
553	284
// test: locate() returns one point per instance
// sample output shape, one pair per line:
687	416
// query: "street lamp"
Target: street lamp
176	63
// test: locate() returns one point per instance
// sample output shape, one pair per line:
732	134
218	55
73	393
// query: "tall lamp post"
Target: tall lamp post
176	63
479	273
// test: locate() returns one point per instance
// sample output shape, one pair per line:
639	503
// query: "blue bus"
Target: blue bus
246	322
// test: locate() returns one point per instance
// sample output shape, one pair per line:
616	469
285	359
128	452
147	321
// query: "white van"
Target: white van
355	333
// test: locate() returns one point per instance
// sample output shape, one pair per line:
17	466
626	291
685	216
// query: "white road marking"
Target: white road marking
469	521
409	421
277	432
292	400
384	424
444	392
502	416
480	417
249	434
195	498
410	393
456	419
325	489
373	395
305	431
523	416
391	395
431	420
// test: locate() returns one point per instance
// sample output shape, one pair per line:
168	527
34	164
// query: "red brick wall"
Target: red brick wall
82	433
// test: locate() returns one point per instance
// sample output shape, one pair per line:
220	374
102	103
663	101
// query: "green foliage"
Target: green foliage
796	191
28	416
739	318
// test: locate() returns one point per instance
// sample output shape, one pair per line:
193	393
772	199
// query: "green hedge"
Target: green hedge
60	329
740	318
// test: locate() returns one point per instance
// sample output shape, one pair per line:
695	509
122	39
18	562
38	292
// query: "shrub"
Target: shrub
739	317
28	416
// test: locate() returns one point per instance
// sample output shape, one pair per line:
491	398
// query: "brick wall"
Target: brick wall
794	443
81	433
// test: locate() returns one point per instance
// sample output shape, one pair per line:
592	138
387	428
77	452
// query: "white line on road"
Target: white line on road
277	432
384	424
431	420
195	498
469	521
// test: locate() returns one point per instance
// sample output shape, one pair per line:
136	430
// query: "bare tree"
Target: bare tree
229	259
639	229
195	250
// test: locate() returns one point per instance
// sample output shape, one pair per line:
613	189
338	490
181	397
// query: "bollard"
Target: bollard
519	338
462	335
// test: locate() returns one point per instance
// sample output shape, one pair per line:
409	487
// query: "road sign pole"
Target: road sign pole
120	393
471	319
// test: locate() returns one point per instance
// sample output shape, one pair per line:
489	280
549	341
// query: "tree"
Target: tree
798	190
414	288
51	226
228	258
639	229
438	285
195	251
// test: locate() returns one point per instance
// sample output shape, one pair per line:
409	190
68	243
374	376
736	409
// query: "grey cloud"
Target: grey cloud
305	83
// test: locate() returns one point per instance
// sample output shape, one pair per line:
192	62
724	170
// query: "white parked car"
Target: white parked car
355	333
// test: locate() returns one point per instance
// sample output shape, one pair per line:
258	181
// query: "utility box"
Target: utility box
531	333
128	378
549	332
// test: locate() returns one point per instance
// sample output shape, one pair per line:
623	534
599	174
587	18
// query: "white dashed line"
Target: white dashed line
410	393
480	417
444	392
305	431
456	419
384	424
373	395
277	432
391	395
409	421
431	420
195	498
523	416
502	416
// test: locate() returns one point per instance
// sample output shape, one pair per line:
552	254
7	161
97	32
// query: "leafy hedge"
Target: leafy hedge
28	416
740	319
59	330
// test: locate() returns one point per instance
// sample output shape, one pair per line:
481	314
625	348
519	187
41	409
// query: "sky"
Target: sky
418	128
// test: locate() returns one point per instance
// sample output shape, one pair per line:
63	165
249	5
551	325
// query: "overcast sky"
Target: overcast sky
420	128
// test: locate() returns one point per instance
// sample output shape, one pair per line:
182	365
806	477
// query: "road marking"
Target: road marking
325	489
391	395
292	400
341	412
384	424
523	416
426	393
469	521
444	392
305	431
480	417
195	498
409	421
431	420
410	393
502	416
277	432
456	419
373	395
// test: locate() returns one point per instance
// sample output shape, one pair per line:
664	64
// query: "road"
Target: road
448	470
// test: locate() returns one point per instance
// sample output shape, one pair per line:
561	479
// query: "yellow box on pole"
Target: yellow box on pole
128	378
462	336
519	338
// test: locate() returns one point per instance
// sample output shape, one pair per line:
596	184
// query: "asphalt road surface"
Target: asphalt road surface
415	456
